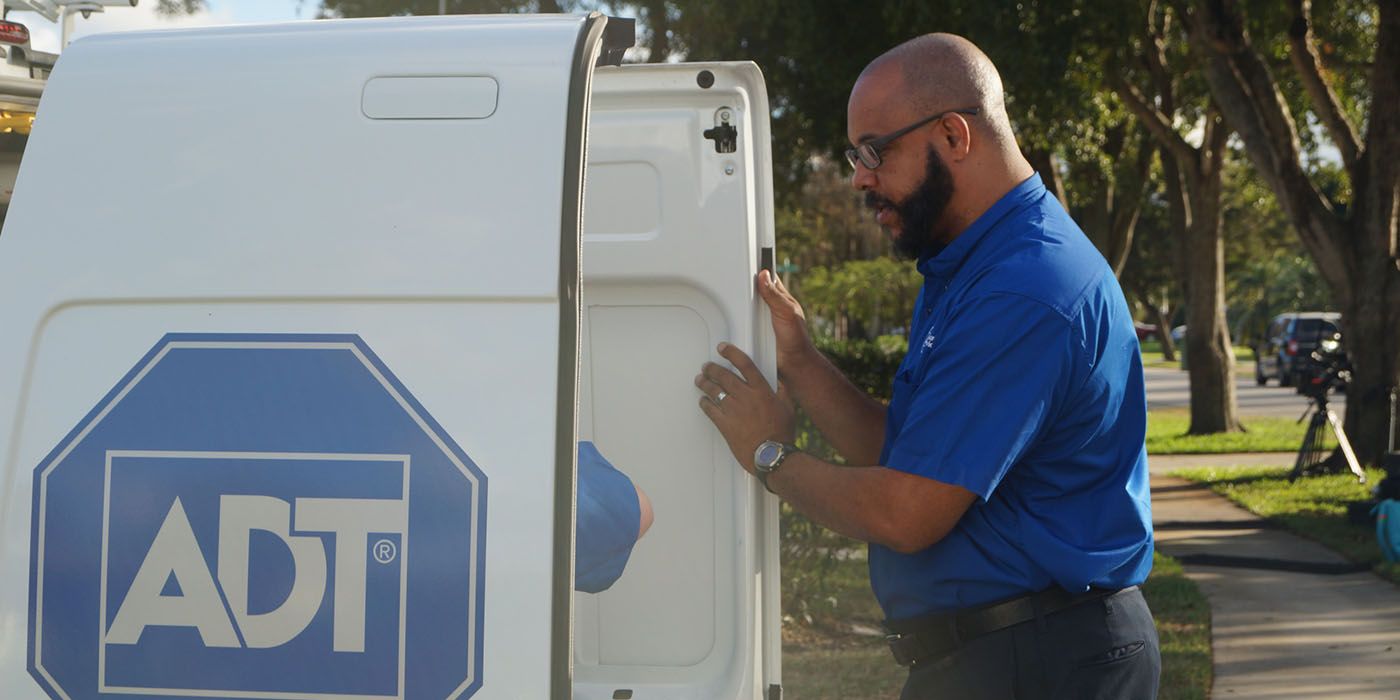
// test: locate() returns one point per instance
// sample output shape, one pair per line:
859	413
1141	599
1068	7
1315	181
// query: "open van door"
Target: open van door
678	220
290	347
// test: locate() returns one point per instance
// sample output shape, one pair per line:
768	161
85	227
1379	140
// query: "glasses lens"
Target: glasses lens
864	154
869	157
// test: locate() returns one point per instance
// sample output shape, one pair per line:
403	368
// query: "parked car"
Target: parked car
1145	331
1285	352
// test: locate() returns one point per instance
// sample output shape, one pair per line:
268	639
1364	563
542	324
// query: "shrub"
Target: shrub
810	552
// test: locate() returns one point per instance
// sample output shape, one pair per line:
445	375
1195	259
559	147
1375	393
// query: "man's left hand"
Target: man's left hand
744	408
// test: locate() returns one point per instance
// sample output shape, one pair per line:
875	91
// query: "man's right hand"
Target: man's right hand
852	421
794	345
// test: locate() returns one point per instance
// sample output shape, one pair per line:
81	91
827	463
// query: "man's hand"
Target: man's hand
794	345
745	409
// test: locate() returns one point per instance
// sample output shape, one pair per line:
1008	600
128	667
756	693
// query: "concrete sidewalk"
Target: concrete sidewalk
1277	633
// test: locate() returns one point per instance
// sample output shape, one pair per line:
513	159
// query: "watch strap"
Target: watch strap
763	479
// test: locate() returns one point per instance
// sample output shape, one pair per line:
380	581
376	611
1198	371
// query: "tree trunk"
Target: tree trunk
1210	356
1161	318
1372	314
1371	334
654	12
1115	198
1094	218
1132	190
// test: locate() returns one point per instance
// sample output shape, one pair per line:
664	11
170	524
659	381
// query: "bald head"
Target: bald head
928	179
945	71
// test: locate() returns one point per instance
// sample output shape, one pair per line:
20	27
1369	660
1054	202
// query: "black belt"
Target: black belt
922	638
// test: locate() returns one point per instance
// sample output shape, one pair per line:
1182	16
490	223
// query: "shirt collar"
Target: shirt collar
945	262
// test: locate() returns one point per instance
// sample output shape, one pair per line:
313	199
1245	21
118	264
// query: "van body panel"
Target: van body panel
243	190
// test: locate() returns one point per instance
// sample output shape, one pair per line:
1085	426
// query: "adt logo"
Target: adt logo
235	520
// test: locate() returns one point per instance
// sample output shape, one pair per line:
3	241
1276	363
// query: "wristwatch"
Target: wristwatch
768	457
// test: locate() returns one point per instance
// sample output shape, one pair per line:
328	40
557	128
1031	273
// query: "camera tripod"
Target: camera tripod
1314	455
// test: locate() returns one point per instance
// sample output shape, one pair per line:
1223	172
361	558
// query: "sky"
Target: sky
44	35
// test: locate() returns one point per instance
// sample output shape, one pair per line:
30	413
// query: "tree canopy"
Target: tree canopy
1127	110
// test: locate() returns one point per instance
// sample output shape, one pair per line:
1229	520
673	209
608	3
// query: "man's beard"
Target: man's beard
920	211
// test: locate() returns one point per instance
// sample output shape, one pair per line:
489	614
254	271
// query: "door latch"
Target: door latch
725	136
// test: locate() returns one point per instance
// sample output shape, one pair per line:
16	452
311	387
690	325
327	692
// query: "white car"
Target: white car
23	73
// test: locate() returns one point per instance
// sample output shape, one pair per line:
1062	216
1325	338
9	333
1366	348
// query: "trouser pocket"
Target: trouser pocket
1127	672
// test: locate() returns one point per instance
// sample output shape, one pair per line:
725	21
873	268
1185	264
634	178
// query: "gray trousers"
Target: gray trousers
1104	649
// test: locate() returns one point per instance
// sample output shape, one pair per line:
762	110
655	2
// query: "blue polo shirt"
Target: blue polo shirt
607	520
1023	384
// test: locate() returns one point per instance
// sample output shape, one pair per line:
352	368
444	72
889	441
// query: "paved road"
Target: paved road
1170	388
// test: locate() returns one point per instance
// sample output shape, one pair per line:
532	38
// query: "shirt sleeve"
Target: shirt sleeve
608	518
993	377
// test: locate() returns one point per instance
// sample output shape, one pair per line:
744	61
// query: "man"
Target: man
1004	489
613	513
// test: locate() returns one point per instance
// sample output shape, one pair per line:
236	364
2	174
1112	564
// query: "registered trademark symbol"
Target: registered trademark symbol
385	551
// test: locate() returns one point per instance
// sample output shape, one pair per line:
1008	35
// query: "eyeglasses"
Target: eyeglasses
868	153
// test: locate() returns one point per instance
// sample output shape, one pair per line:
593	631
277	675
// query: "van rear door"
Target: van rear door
678	219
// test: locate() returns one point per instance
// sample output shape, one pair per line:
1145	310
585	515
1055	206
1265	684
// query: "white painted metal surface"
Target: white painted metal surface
232	184
672	238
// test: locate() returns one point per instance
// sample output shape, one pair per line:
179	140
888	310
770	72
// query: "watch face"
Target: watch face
767	454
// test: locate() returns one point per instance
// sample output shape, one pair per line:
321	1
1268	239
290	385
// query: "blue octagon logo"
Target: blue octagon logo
257	516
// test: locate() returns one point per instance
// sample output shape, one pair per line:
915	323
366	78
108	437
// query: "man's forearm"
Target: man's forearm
904	512
852	421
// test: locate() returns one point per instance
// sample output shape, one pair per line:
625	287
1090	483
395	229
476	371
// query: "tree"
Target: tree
826	222
1086	147
862	299
1107	187
810	56
1267	272
844	275
179	7
1351	234
1195	177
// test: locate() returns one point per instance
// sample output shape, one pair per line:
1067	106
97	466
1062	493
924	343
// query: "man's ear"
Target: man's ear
956	133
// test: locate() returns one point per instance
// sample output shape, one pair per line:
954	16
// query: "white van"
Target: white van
300	325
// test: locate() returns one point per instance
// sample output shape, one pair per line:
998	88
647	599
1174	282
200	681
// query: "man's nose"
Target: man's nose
863	178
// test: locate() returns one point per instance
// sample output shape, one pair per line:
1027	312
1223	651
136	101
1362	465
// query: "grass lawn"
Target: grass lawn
1152	357
1183	628
1314	507
844	658
842	653
1166	435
